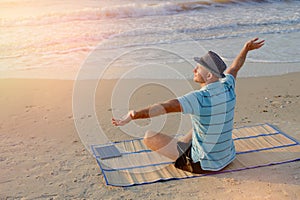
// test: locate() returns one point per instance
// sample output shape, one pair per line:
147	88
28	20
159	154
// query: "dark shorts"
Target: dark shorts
185	162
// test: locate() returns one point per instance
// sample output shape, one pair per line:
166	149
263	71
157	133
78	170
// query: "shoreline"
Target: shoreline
43	157
184	69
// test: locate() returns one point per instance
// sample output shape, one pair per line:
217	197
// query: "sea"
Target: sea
88	39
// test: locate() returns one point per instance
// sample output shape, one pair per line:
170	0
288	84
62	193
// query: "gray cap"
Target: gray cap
213	63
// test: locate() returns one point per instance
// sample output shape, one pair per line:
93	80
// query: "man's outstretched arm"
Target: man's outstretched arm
152	111
241	57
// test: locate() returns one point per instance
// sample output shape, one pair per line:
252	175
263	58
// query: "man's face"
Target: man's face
200	74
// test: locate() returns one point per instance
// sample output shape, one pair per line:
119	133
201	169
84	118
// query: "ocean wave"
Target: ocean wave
188	34
133	10
44	53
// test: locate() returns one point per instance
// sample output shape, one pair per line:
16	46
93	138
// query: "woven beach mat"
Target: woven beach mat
128	163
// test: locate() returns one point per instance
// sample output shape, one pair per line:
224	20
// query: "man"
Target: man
209	145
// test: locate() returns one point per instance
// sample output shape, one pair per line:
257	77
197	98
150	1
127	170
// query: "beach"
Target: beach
67	68
42	156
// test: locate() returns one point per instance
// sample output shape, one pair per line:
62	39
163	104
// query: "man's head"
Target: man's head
203	76
209	66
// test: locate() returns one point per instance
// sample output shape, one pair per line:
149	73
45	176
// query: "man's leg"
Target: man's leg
162	144
185	162
187	137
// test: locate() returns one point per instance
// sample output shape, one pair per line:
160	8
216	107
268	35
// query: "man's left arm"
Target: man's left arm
241	57
152	111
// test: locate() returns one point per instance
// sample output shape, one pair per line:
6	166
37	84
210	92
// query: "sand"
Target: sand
42	156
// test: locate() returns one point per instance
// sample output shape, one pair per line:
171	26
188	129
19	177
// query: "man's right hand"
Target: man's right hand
124	120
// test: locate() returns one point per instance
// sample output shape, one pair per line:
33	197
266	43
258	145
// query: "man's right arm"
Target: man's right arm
151	111
241	57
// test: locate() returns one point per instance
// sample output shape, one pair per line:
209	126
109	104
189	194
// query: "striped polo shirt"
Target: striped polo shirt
212	111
